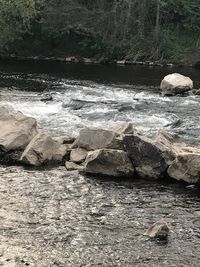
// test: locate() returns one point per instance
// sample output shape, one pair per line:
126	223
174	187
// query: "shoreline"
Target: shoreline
102	61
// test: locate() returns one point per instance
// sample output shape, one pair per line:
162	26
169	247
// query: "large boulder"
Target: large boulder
17	130
109	162
175	83
95	138
43	149
186	166
152	157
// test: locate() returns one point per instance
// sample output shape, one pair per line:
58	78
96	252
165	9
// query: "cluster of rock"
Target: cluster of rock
177	84
119	152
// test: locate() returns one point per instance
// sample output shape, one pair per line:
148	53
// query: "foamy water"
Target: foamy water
92	104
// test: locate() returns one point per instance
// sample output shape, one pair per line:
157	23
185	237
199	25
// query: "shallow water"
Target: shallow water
52	218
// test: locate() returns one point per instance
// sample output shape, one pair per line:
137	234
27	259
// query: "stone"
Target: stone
147	157
17	129
152	157
71	166
65	139
43	149
158	230
124	128
186	166
175	83
95	138
197	92
46	97
78	155
109	162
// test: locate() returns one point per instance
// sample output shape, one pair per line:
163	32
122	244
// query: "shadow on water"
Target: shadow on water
107	74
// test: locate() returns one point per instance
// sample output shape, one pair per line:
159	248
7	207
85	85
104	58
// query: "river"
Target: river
55	218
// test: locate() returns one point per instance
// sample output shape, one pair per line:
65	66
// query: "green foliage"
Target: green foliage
137	29
15	19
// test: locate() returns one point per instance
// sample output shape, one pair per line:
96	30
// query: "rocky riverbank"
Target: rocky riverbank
102	60
119	152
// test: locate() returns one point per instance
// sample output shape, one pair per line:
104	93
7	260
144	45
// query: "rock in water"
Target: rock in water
78	155
158	230
94	138
109	162
42	149
175	83
17	130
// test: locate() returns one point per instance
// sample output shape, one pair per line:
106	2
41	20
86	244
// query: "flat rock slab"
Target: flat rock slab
94	138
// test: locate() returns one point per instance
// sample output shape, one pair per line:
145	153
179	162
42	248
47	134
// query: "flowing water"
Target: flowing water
55	218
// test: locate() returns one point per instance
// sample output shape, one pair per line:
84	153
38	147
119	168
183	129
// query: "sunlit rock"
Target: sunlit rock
124	128
16	129
109	162
43	149
175	83
186	166
95	138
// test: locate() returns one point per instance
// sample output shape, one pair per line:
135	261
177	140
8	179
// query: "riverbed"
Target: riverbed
56	218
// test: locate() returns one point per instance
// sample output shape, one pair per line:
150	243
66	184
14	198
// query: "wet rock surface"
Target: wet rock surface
54	218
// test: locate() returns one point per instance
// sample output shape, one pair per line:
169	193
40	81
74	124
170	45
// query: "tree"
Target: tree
15	19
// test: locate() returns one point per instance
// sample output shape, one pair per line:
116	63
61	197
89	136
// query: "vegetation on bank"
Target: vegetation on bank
133	29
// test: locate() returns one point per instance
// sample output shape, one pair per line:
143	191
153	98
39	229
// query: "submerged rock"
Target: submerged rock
43	149
46	97
17	130
158	230
175	83
109	162
95	138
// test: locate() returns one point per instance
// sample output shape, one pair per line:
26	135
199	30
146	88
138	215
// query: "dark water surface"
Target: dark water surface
53	218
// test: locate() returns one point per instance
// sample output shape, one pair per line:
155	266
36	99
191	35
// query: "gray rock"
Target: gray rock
197	92
65	139
109	162
94	138
186	166
124	128
151	158
175	83
71	166
17	130
158	230
147	157
43	149
78	155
